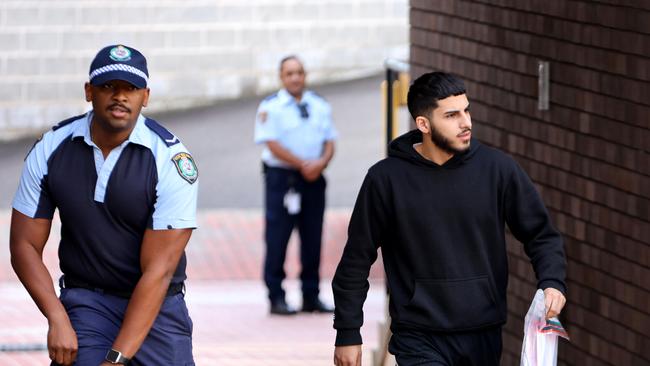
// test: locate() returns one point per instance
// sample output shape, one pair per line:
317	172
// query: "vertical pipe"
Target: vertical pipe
390	78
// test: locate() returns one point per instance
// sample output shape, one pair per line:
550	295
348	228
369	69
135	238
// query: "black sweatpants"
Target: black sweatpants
478	348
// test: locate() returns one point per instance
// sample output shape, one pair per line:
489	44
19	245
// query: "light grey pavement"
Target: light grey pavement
221	139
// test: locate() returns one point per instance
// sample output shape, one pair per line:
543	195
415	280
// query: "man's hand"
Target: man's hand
347	355
554	302
61	340
311	170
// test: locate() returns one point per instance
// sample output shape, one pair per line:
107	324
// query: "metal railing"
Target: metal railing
22	347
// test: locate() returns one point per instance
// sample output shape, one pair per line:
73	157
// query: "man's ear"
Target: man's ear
423	124
89	92
145	101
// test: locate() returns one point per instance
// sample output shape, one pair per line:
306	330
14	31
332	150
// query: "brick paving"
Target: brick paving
227	300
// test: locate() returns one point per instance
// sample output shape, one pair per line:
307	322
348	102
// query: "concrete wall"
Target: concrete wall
198	51
589	154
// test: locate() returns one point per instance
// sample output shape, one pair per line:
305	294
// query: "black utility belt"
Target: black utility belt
70	282
266	168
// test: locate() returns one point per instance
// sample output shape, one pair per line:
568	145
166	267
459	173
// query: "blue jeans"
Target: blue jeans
97	318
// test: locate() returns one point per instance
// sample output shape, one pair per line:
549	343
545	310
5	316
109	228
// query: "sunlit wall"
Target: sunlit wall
198	51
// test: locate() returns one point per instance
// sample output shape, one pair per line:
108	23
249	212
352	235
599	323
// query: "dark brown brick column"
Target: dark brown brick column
589	154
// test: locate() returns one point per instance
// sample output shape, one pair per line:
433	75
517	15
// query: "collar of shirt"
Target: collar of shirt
286	98
140	134
104	164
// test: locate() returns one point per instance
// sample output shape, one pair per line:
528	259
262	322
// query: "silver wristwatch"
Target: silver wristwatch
116	357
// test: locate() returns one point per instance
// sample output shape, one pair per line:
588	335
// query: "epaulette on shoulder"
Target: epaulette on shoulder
67	121
165	135
271	97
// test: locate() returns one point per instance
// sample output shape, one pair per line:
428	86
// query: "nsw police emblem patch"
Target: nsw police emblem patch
262	116
120	53
186	167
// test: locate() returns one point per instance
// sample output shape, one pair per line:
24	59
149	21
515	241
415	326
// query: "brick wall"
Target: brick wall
589	154
198	51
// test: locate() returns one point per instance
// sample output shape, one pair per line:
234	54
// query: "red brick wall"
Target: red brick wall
589	154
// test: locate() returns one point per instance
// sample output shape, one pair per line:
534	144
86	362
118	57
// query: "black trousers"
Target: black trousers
280	225
478	348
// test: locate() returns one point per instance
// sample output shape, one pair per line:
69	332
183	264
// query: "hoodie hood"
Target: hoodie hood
402	148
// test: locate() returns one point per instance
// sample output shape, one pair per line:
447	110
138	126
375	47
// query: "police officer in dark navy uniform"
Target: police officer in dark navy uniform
126	192
296	127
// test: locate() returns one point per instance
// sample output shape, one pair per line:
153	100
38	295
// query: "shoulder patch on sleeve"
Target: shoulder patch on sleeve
67	122
263	115
186	167
165	135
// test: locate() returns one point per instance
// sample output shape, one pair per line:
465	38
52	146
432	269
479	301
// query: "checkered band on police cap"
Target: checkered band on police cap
119	62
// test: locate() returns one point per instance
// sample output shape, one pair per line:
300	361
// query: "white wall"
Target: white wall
198	51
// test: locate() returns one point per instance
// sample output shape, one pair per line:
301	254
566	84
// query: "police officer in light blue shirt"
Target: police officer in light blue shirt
295	125
126	192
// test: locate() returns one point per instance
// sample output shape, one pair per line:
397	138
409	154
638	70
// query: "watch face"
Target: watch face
116	357
112	356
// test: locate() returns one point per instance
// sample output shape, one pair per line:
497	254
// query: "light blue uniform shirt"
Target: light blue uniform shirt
279	119
106	204
175	197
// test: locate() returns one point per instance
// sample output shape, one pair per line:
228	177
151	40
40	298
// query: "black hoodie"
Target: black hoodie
441	229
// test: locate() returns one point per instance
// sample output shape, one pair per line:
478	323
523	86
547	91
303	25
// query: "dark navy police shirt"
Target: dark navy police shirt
105	205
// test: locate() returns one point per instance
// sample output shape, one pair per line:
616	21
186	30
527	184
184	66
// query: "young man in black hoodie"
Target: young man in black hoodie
438	206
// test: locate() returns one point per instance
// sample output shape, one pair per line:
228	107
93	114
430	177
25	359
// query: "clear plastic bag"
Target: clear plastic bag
540	335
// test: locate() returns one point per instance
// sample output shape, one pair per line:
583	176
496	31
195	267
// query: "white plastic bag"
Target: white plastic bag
540	335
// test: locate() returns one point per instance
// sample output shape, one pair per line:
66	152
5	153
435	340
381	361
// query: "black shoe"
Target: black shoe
316	306
280	307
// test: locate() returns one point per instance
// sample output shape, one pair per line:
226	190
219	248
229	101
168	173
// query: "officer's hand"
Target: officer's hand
554	302
347	355
311	170
61	340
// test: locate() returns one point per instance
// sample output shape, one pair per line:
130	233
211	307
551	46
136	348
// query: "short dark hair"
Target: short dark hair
428	89
287	58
